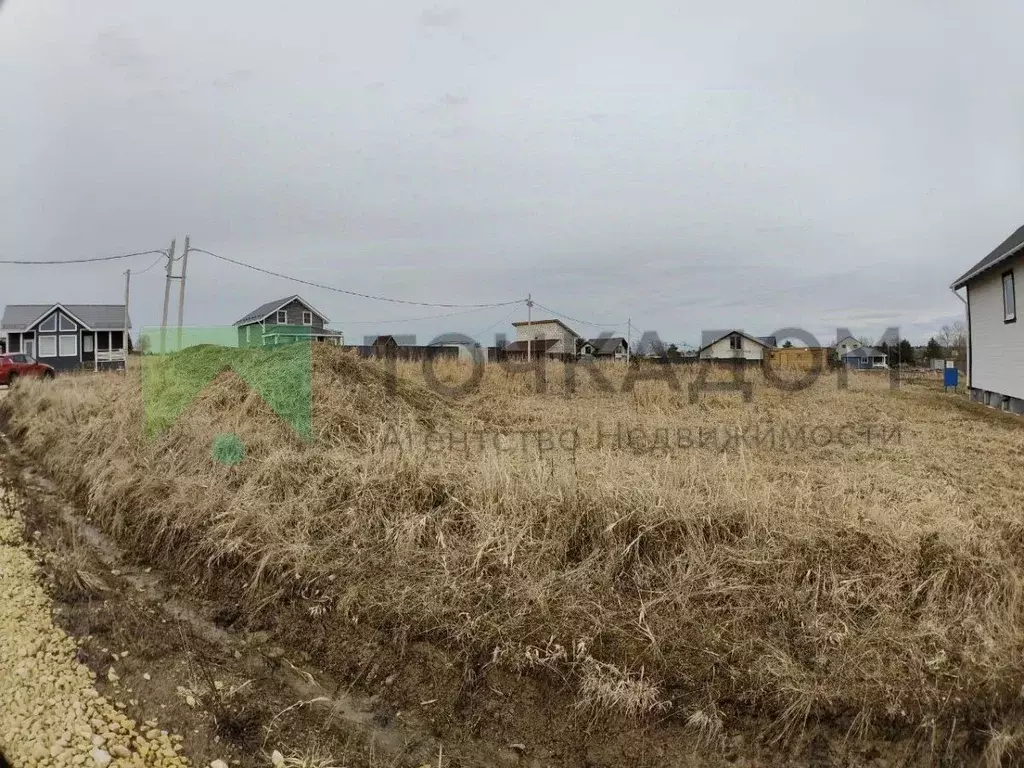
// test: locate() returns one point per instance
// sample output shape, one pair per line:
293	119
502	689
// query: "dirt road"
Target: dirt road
52	713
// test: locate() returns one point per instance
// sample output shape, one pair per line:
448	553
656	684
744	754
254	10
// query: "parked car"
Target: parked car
18	364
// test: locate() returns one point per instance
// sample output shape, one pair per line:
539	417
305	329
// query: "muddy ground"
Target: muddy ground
366	699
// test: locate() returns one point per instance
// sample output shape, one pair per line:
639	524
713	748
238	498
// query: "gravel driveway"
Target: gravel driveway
52	714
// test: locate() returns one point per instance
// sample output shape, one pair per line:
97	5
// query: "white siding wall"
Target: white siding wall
566	341
721	350
997	348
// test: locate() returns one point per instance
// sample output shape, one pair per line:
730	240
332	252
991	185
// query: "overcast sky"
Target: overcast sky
690	165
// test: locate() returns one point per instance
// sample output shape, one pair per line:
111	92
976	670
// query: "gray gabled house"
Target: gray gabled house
67	336
605	348
865	357
285	320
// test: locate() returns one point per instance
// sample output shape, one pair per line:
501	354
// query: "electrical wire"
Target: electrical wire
576	319
492	325
159	258
351	293
85	261
414	319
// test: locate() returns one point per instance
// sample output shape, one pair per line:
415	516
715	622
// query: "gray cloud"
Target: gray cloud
683	165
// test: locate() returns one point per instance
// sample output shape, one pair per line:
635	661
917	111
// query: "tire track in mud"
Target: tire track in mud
52	713
322	701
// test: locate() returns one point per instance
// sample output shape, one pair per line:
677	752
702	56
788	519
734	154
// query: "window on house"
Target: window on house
67	325
49	324
69	345
87	342
282	317
1009	299
307	318
735	342
47	346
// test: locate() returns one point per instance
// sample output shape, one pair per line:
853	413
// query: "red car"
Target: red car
17	364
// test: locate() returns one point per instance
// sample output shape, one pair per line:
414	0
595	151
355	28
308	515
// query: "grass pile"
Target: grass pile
843	553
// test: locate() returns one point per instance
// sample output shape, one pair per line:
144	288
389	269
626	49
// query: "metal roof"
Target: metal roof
95	317
865	352
607	345
713	337
1011	245
545	322
263	311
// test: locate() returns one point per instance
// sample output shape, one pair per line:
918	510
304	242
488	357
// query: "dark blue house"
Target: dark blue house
67	337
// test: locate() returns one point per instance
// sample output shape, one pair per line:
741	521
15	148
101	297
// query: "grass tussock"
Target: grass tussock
827	553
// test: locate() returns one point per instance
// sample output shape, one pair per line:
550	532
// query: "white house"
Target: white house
549	337
734	345
995	342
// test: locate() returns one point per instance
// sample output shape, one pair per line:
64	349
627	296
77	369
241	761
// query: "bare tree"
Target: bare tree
953	339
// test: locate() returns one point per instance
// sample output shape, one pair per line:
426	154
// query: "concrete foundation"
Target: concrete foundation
998	400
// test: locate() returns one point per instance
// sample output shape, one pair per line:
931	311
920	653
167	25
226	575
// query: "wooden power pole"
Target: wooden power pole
167	296
181	293
127	295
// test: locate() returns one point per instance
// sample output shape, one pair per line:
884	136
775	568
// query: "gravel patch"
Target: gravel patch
52	715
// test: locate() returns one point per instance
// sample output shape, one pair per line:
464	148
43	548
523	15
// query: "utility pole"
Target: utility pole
181	294
629	337
529	323
127	294
167	296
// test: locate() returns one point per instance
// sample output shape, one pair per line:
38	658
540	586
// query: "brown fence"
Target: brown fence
500	355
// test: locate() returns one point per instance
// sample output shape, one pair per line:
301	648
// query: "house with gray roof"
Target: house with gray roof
865	357
734	345
285	320
605	348
68	337
995	343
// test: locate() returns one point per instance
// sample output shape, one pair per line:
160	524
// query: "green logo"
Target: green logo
178	367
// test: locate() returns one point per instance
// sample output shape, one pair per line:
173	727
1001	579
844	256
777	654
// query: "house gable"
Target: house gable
293	308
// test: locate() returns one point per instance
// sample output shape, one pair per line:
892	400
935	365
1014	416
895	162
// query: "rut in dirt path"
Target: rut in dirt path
53	714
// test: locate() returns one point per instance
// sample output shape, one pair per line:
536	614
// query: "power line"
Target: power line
503	320
161	257
352	293
85	261
414	319
576	319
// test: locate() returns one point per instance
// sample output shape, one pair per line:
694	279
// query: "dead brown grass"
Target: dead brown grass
874	577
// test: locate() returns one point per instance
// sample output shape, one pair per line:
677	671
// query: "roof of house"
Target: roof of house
537	345
95	317
1011	245
546	322
606	345
865	352
263	311
380	341
713	337
768	341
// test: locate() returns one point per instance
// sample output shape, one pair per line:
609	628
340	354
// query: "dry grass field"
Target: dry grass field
848	555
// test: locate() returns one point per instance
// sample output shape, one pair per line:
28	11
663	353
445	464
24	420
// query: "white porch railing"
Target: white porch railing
113	356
